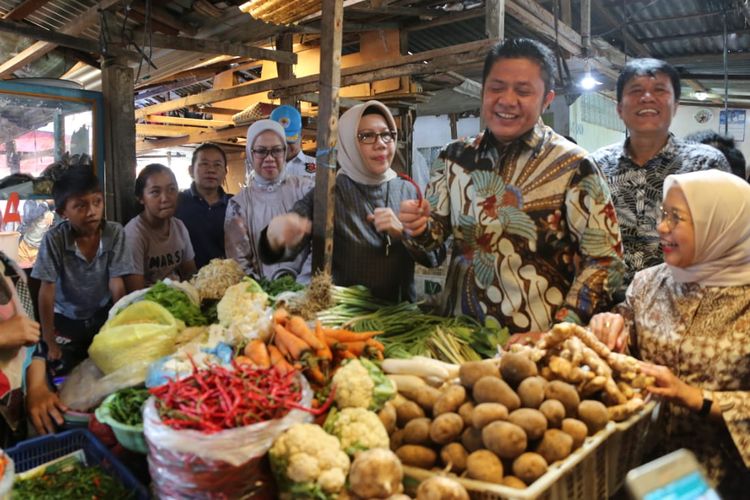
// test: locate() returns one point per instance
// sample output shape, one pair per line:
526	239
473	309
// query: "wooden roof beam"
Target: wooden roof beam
163	16
203	135
23	9
145	129
190	122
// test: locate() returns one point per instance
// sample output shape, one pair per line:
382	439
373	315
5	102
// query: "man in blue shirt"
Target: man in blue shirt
297	162
202	207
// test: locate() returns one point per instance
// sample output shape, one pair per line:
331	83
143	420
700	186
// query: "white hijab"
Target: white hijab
349	156
719	204
254	131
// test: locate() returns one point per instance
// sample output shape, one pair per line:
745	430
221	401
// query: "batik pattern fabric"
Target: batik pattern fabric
637	192
701	334
535	237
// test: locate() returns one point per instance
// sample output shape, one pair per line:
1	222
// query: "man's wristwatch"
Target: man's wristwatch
708	401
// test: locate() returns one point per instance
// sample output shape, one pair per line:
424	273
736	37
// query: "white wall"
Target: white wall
594	122
435	131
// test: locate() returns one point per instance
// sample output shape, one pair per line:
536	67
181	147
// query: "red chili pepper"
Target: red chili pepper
416	186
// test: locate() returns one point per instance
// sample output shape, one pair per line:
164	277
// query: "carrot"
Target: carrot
331	342
325	352
294	345
344	354
280	316
278	360
375	344
315	372
281	346
349	336
243	360
297	326
256	350
357	348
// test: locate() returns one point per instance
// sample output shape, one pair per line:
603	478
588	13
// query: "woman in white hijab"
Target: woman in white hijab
689	321
269	192
367	247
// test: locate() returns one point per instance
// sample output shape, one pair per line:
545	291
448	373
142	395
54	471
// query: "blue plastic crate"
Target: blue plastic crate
38	451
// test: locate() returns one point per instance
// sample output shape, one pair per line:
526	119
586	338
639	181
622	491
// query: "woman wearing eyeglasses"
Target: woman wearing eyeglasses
269	192
688	319
367	247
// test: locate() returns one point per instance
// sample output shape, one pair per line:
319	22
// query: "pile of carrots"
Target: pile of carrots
294	345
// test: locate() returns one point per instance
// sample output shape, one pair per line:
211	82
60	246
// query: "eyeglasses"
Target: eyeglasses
371	137
672	218
275	152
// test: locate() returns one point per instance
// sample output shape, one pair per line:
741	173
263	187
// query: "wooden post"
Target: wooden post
325	178
566	13
119	142
58	131
454	126
284	42
586	26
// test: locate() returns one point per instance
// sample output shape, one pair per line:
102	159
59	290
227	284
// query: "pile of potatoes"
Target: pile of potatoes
502	424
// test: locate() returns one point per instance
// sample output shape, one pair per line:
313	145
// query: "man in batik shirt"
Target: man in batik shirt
535	234
648	91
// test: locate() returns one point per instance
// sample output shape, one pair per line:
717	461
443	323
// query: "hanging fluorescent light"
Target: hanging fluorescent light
701	96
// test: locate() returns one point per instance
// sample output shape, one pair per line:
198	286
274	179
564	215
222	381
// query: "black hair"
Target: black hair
375	110
205	147
78	180
648	67
148	171
523	48
726	145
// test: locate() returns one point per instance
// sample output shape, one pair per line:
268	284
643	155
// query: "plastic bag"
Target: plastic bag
179	365
136	296
143	331
190	464
87	386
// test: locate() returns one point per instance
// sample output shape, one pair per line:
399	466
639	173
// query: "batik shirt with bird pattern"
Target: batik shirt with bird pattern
535	236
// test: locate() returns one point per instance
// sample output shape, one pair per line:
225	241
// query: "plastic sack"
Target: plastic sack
178	365
87	386
188	464
137	296
143	331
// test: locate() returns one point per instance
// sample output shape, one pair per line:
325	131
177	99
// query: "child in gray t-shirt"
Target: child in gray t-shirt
80	264
158	243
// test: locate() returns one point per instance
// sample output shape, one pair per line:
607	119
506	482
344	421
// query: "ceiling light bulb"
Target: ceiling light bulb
588	82
701	96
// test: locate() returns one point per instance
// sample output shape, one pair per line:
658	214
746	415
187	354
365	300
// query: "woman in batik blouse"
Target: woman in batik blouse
688	319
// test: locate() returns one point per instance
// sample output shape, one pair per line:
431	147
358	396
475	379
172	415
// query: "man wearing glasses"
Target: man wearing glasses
648	92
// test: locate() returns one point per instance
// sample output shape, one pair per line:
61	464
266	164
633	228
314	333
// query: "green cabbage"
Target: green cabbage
384	389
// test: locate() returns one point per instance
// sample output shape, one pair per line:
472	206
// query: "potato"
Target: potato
446	427
427	398
376	473
471	438
555	445
594	414
417	456
441	488
515	367
388	416
504	439
553	411
532	421
452	397
417	431
466	411
529	467
575	429
488	412
513	482
531	391
494	390
397	439
564	393
454	455
484	465
471	371
406	411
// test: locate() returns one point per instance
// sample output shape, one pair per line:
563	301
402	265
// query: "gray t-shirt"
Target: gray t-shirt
81	287
154	256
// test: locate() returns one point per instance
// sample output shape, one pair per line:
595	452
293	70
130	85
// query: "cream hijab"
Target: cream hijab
253	131
719	204
349	157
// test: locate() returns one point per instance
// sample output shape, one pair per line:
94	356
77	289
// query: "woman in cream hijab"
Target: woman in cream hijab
269	192
367	247
689	321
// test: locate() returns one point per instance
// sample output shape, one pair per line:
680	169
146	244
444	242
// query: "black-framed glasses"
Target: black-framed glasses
671	217
370	137
275	152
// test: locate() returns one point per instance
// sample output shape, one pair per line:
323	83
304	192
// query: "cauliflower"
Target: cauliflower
358	429
361	384
308	462
243	311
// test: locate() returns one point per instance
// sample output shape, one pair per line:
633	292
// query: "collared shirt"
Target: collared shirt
637	192
535	234
204	222
301	165
81	287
